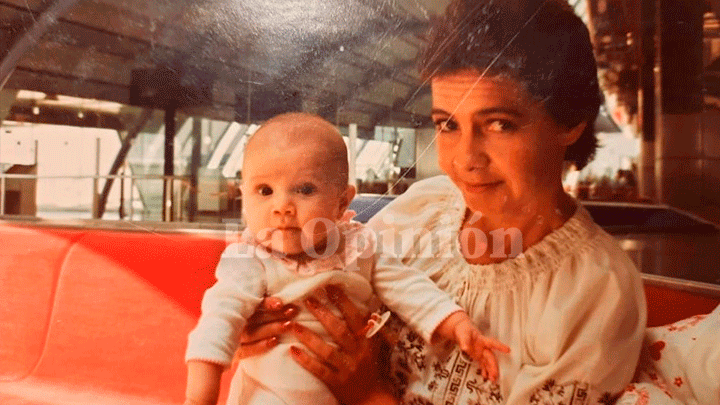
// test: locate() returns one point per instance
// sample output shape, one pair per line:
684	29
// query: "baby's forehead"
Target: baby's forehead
300	131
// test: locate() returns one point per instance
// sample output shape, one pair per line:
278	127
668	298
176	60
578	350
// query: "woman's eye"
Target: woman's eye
306	189
265	190
445	125
501	126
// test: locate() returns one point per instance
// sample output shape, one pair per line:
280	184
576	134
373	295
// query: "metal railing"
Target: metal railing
170	199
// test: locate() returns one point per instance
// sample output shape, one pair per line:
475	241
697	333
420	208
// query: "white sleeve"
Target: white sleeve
584	331
405	229
411	295
240	286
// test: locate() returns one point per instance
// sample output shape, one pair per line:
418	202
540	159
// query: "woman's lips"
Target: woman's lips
481	187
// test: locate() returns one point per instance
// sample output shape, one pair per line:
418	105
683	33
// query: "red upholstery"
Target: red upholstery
98	311
101	317
667	305
29	265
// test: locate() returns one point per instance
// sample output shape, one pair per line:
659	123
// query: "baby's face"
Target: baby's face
289	201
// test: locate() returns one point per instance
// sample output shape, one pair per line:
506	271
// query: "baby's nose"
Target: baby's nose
284	207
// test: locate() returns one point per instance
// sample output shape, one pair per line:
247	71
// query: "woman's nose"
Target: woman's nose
470	152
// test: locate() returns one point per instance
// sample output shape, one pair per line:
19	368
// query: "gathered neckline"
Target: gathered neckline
543	256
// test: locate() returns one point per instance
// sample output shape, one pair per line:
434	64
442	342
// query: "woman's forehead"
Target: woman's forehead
469	89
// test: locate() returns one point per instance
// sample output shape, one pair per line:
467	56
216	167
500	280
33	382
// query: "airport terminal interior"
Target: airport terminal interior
134	114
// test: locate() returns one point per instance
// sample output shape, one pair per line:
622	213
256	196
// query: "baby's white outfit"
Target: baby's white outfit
248	272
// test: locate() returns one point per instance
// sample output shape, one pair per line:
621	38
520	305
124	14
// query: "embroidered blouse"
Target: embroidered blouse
571	308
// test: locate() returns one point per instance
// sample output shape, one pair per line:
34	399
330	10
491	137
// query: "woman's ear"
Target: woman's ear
345	199
573	134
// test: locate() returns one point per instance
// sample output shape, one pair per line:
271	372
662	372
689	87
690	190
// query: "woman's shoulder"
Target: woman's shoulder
599	258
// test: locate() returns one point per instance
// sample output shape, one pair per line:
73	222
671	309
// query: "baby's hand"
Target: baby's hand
460	328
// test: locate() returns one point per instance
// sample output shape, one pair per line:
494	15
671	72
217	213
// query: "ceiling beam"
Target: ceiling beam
58	115
31	37
57	83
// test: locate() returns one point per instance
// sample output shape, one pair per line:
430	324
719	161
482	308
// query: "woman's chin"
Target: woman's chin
485	203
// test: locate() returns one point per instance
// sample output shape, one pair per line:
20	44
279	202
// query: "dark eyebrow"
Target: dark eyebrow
486	111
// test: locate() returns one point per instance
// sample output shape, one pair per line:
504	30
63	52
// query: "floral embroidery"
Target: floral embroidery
655	349
412	348
552	393
686	323
642	397
417	401
487	391
678	381
450	378
439	371
608	399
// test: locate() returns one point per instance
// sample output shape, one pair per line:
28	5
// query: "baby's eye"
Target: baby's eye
445	125
501	126
265	190
306	189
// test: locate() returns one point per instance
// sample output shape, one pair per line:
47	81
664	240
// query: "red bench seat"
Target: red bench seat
101	317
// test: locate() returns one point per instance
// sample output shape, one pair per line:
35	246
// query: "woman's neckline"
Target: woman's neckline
527	236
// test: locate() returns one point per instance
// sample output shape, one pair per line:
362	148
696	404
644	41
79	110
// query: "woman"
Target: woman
515	93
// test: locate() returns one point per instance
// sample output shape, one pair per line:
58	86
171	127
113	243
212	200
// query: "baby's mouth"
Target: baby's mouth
288	229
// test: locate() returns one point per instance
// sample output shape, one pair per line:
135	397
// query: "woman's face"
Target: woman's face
499	146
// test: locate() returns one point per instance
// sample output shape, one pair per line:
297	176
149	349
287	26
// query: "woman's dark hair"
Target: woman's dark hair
541	44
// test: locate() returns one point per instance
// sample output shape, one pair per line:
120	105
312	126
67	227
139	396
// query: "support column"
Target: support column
679	154
352	154
194	167
646	163
169	170
7	99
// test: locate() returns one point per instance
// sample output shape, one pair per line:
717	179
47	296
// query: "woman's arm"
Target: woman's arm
588	324
353	370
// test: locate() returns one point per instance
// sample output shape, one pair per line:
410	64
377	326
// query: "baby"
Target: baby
298	238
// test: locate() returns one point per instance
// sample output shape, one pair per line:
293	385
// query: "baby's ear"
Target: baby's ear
345	199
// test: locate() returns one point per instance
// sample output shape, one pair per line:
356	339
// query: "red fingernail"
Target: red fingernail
333	292
312	302
295	351
272	341
287	324
290	311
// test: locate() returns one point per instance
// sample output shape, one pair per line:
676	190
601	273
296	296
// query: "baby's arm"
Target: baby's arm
226	306
203	383
460	328
431	312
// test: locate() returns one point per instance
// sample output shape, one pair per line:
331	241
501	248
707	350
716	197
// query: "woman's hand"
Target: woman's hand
271	319
350	370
